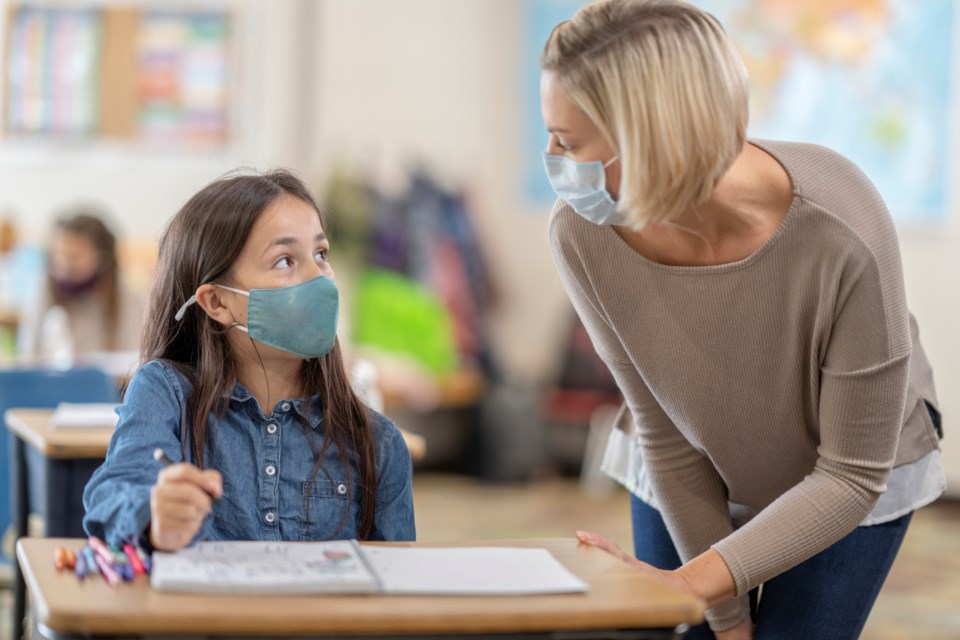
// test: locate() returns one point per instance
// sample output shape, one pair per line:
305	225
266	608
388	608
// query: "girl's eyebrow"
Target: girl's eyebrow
291	240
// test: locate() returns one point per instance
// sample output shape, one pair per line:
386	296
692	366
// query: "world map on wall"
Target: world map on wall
870	79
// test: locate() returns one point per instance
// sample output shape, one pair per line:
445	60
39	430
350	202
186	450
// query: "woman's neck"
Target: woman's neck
747	206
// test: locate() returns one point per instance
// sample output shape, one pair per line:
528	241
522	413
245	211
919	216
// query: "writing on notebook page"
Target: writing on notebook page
345	566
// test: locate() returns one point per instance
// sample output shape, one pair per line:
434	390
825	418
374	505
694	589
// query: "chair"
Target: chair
43	389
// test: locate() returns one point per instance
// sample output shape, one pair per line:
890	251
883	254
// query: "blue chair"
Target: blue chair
44	389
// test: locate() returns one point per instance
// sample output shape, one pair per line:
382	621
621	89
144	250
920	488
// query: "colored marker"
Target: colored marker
81	567
92	567
60	558
111	576
71	559
101	549
134	559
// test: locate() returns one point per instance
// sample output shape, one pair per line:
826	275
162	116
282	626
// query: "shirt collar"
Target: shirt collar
243	396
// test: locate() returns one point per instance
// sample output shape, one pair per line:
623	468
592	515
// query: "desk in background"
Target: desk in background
69	457
621	603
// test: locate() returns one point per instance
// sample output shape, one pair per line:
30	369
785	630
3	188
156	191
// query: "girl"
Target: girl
83	279
244	382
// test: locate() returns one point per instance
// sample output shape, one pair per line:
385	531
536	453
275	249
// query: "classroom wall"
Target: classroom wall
144	187
379	84
436	81
439	80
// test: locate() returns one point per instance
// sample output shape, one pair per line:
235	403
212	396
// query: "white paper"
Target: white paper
344	566
471	571
263	568
84	414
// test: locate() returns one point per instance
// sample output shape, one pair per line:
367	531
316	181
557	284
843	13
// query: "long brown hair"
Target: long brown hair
89	225
200	246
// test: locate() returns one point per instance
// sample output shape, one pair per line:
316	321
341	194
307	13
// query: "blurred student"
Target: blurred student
244	388
83	307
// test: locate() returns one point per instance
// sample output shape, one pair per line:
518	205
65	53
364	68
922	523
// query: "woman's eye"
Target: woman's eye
320	255
282	263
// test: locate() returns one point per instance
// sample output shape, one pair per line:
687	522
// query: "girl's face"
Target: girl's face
73	257
572	134
286	246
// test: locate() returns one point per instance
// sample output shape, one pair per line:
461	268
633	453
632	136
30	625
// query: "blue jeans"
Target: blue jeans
827	597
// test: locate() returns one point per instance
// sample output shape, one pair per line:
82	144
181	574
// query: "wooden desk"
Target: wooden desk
620	599
68	458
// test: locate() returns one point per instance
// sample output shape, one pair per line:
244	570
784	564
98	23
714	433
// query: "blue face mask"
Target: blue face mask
583	186
300	319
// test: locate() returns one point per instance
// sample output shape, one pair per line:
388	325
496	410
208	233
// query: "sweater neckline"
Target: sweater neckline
742	263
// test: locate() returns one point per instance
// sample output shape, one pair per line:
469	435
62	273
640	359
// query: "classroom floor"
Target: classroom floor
919	600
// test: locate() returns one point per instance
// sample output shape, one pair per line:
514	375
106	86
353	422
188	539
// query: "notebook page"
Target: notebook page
471	571
264	568
84	415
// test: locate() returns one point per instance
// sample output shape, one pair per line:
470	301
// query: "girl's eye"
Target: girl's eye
320	255
282	263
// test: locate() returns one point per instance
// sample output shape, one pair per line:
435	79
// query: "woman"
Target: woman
748	298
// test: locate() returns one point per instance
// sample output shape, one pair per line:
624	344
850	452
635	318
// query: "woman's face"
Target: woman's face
572	133
73	257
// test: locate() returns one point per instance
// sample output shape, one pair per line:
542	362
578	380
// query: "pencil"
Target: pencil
164	459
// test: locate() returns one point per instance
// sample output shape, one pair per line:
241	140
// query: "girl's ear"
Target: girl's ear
211	300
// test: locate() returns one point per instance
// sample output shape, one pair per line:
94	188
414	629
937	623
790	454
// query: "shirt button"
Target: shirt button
342	489
285	406
270	469
271	428
271	517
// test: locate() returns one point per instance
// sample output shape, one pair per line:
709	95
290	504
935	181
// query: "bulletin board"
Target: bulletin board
138	73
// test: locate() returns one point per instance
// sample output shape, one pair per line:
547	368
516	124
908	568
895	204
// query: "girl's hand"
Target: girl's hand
179	503
743	631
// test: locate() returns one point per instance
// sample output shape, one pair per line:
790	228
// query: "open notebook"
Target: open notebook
345	566
84	414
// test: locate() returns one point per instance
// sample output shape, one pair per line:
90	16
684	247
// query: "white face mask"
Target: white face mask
583	186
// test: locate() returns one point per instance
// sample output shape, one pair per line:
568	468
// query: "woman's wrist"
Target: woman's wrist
707	577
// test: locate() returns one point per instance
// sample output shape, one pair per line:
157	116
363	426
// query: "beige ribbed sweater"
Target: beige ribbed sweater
783	382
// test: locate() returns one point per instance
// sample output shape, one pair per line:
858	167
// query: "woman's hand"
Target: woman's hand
669	577
179	503
679	579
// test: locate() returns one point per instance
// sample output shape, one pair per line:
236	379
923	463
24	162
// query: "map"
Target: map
870	79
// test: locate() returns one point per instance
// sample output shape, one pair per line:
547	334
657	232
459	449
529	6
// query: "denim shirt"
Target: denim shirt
266	463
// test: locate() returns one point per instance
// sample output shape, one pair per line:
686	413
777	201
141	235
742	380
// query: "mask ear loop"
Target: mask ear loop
192	299
183	309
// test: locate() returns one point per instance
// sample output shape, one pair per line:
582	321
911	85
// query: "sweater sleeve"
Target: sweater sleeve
691	493
863	387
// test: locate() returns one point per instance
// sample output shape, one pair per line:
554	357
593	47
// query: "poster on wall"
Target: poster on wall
870	79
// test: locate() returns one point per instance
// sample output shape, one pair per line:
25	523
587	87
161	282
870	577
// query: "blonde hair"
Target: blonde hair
666	88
